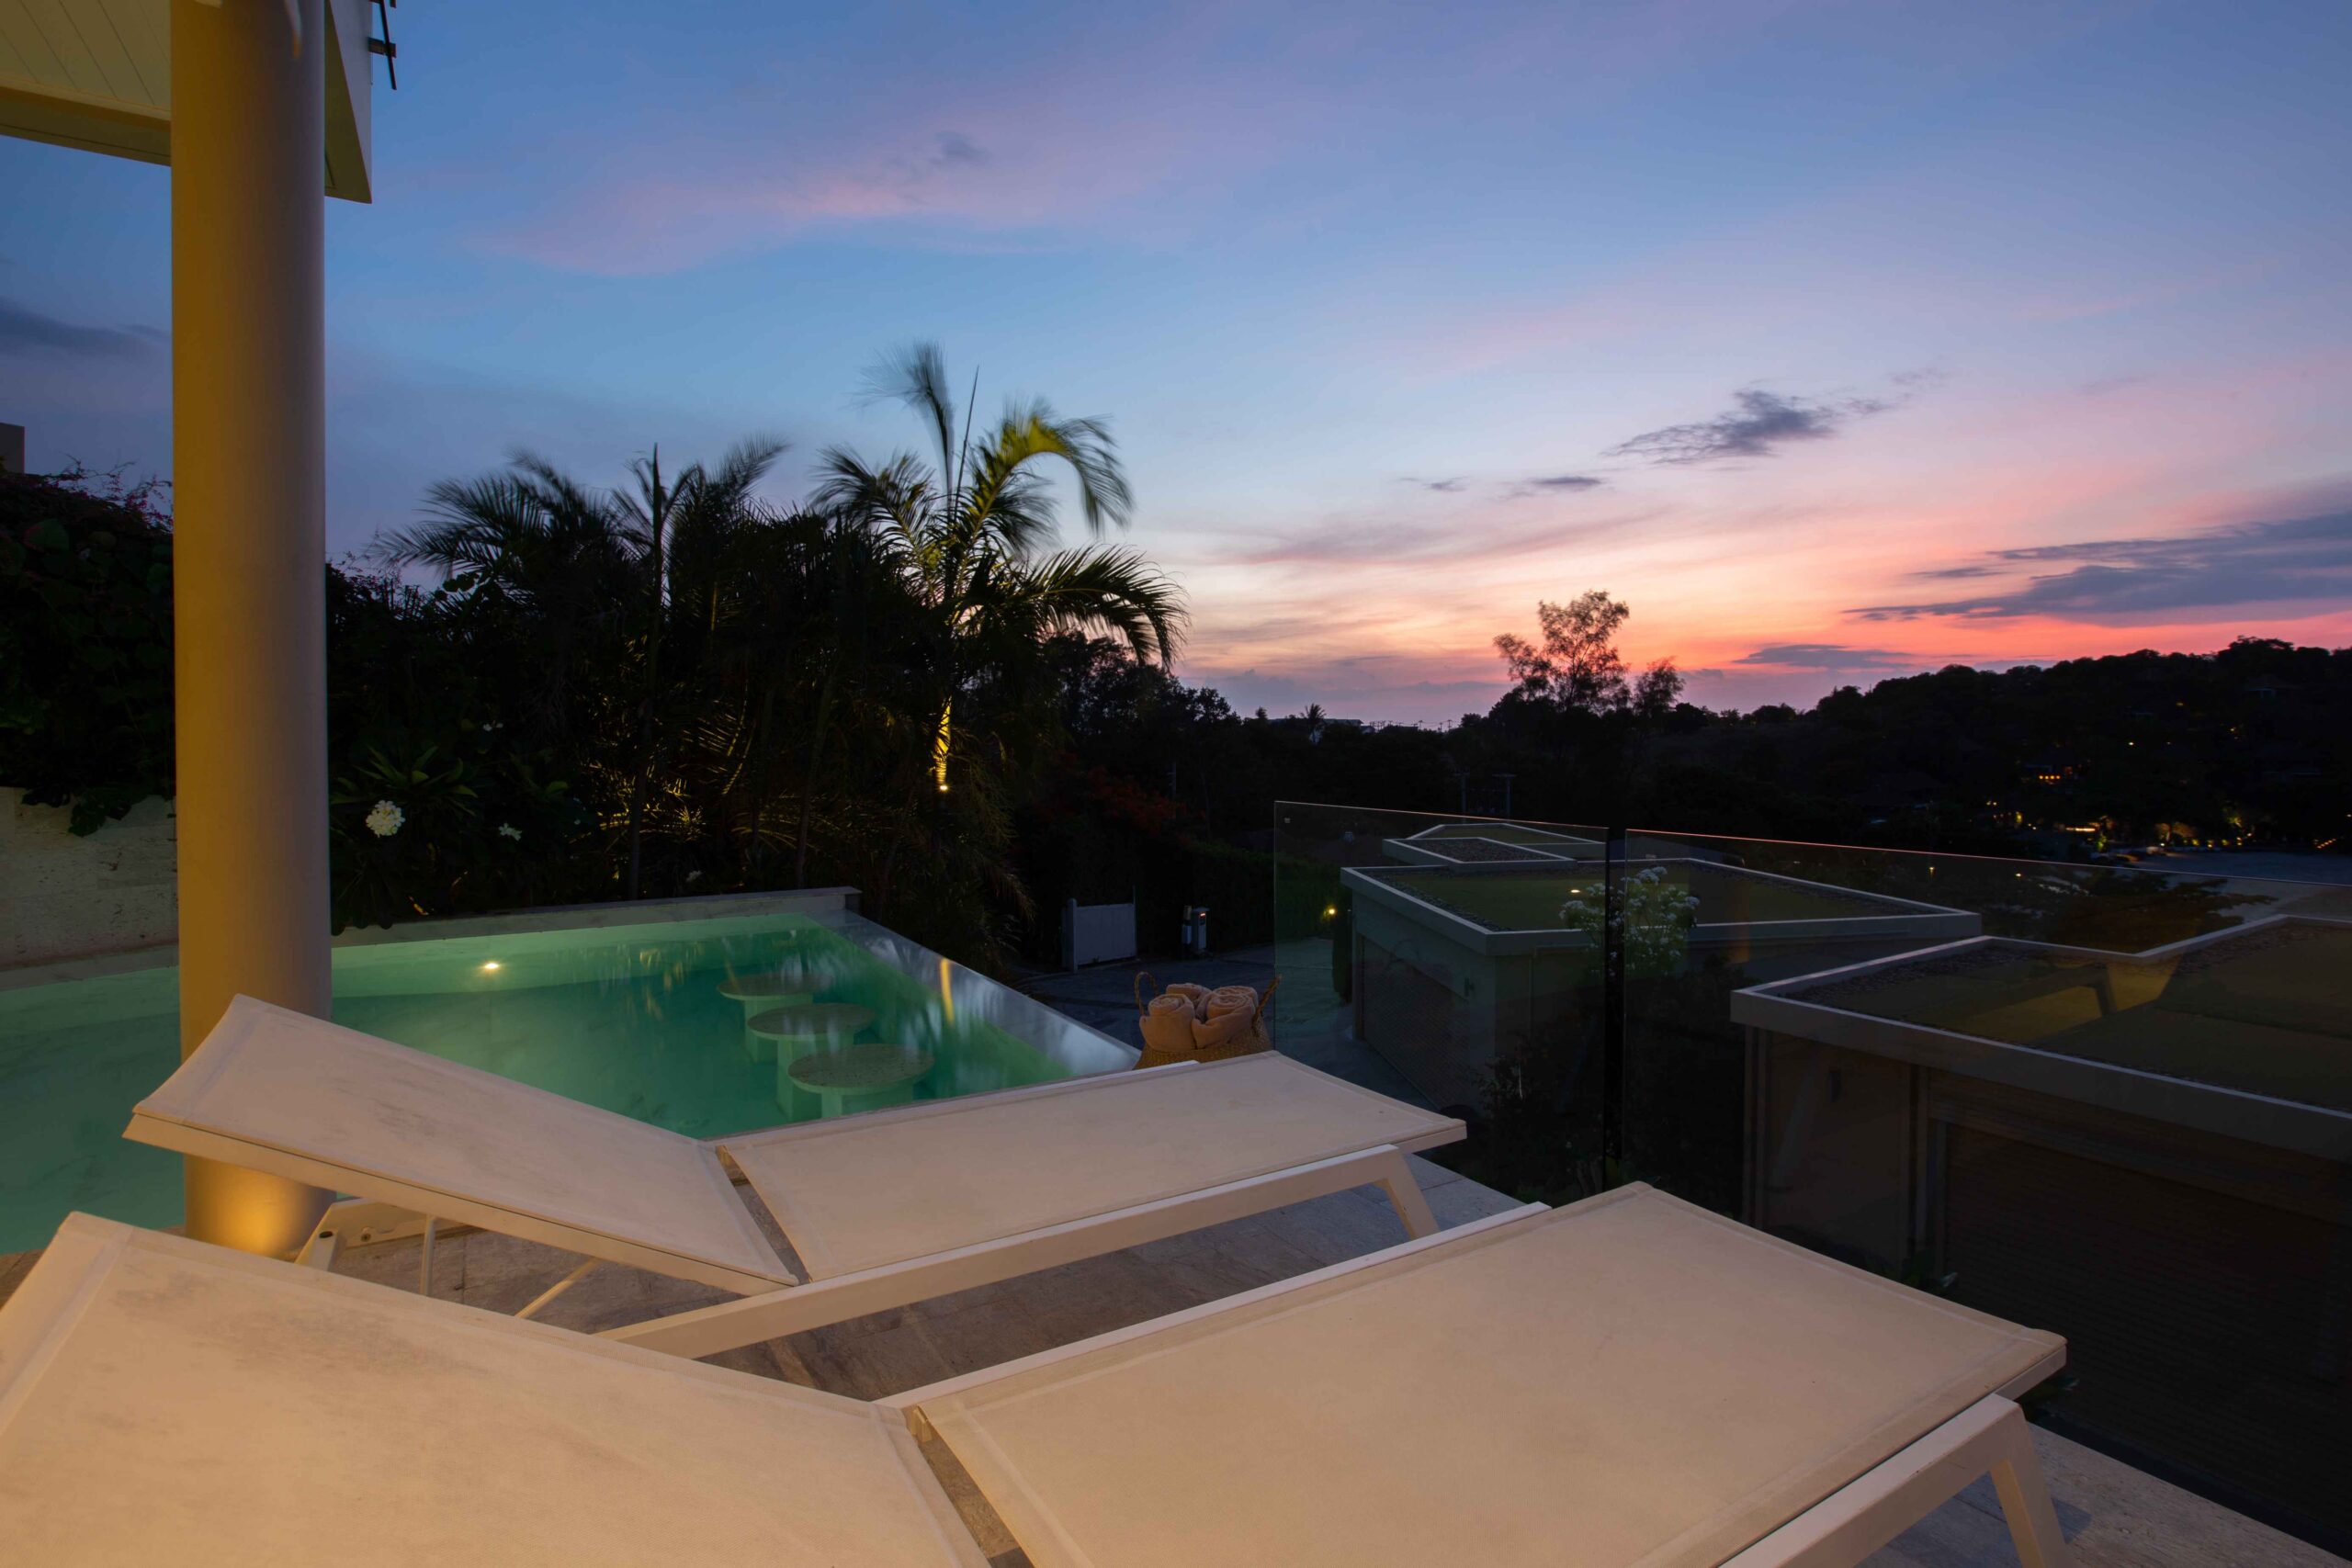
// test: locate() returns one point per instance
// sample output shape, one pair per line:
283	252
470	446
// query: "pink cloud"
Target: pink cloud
1719	565
946	186
1119	132
1137	125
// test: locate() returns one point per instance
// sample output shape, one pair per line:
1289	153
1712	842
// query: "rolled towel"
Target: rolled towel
1223	1028
1230	998
1167	1024
1195	995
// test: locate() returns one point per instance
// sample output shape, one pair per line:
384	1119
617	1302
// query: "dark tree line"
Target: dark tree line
672	686
904	684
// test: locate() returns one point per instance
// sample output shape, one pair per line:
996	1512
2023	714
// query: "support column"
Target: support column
249	551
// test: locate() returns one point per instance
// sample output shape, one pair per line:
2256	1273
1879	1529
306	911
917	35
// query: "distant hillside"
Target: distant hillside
2253	742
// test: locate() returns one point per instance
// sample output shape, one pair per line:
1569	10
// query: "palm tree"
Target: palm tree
765	680
699	510
528	544
787	620
581	562
975	535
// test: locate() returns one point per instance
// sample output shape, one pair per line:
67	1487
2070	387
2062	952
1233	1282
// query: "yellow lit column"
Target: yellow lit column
249	552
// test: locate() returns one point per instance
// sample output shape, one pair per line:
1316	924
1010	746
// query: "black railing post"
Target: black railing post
1612	1003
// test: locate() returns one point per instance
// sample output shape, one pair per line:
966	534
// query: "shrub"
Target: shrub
86	643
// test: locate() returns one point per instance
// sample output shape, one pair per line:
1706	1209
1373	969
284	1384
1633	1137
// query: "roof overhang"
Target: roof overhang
97	74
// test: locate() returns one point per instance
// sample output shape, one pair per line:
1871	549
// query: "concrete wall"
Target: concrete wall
62	896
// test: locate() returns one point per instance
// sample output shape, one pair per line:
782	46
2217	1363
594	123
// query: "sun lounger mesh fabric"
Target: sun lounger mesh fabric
1630	1381
298	1086
864	1192
163	1401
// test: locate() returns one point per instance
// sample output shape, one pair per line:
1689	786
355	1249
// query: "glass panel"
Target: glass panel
2107	1100
2104	1099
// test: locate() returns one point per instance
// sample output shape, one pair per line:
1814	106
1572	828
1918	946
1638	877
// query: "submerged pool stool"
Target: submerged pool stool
861	1078
790	984
790	1033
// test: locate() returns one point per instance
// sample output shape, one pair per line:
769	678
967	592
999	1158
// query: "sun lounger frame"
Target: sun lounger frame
747	1321
1989	1437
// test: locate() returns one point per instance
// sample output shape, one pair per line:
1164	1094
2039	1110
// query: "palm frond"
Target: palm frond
900	499
1091	589
730	485
1029	432
557	493
470	524
917	376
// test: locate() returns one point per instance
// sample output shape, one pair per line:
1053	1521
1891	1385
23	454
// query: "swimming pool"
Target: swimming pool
626	1016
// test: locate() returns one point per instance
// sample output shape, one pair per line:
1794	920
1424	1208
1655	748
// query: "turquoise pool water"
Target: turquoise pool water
626	1017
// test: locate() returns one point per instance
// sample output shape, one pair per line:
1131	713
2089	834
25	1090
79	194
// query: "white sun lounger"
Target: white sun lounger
164	1401
1628	1383
882	1210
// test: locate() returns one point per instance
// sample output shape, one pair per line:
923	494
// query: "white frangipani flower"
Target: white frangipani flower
508	830
1654	920
385	819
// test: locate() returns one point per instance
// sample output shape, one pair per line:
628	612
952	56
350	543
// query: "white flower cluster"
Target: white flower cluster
508	830
385	819
1657	916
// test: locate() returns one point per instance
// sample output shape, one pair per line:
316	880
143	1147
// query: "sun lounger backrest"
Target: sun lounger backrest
859	1193
169	1402
295	1096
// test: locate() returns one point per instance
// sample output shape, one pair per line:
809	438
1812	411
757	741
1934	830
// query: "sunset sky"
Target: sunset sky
1840	340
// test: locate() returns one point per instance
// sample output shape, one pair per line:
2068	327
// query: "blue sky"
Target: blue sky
1839	340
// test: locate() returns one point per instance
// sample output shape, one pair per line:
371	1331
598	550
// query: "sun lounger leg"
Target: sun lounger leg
1405	1194
558	1287
319	1251
2024	1500
1843	1529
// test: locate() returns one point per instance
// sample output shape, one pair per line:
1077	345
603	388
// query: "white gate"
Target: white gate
1097	933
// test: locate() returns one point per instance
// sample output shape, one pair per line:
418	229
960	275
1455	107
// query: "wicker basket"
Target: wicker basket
1245	1045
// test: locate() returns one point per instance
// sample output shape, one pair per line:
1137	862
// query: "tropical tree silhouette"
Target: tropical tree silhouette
974	534
768	692
591	569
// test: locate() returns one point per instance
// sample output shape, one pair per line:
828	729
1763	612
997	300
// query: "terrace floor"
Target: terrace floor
2113	1515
